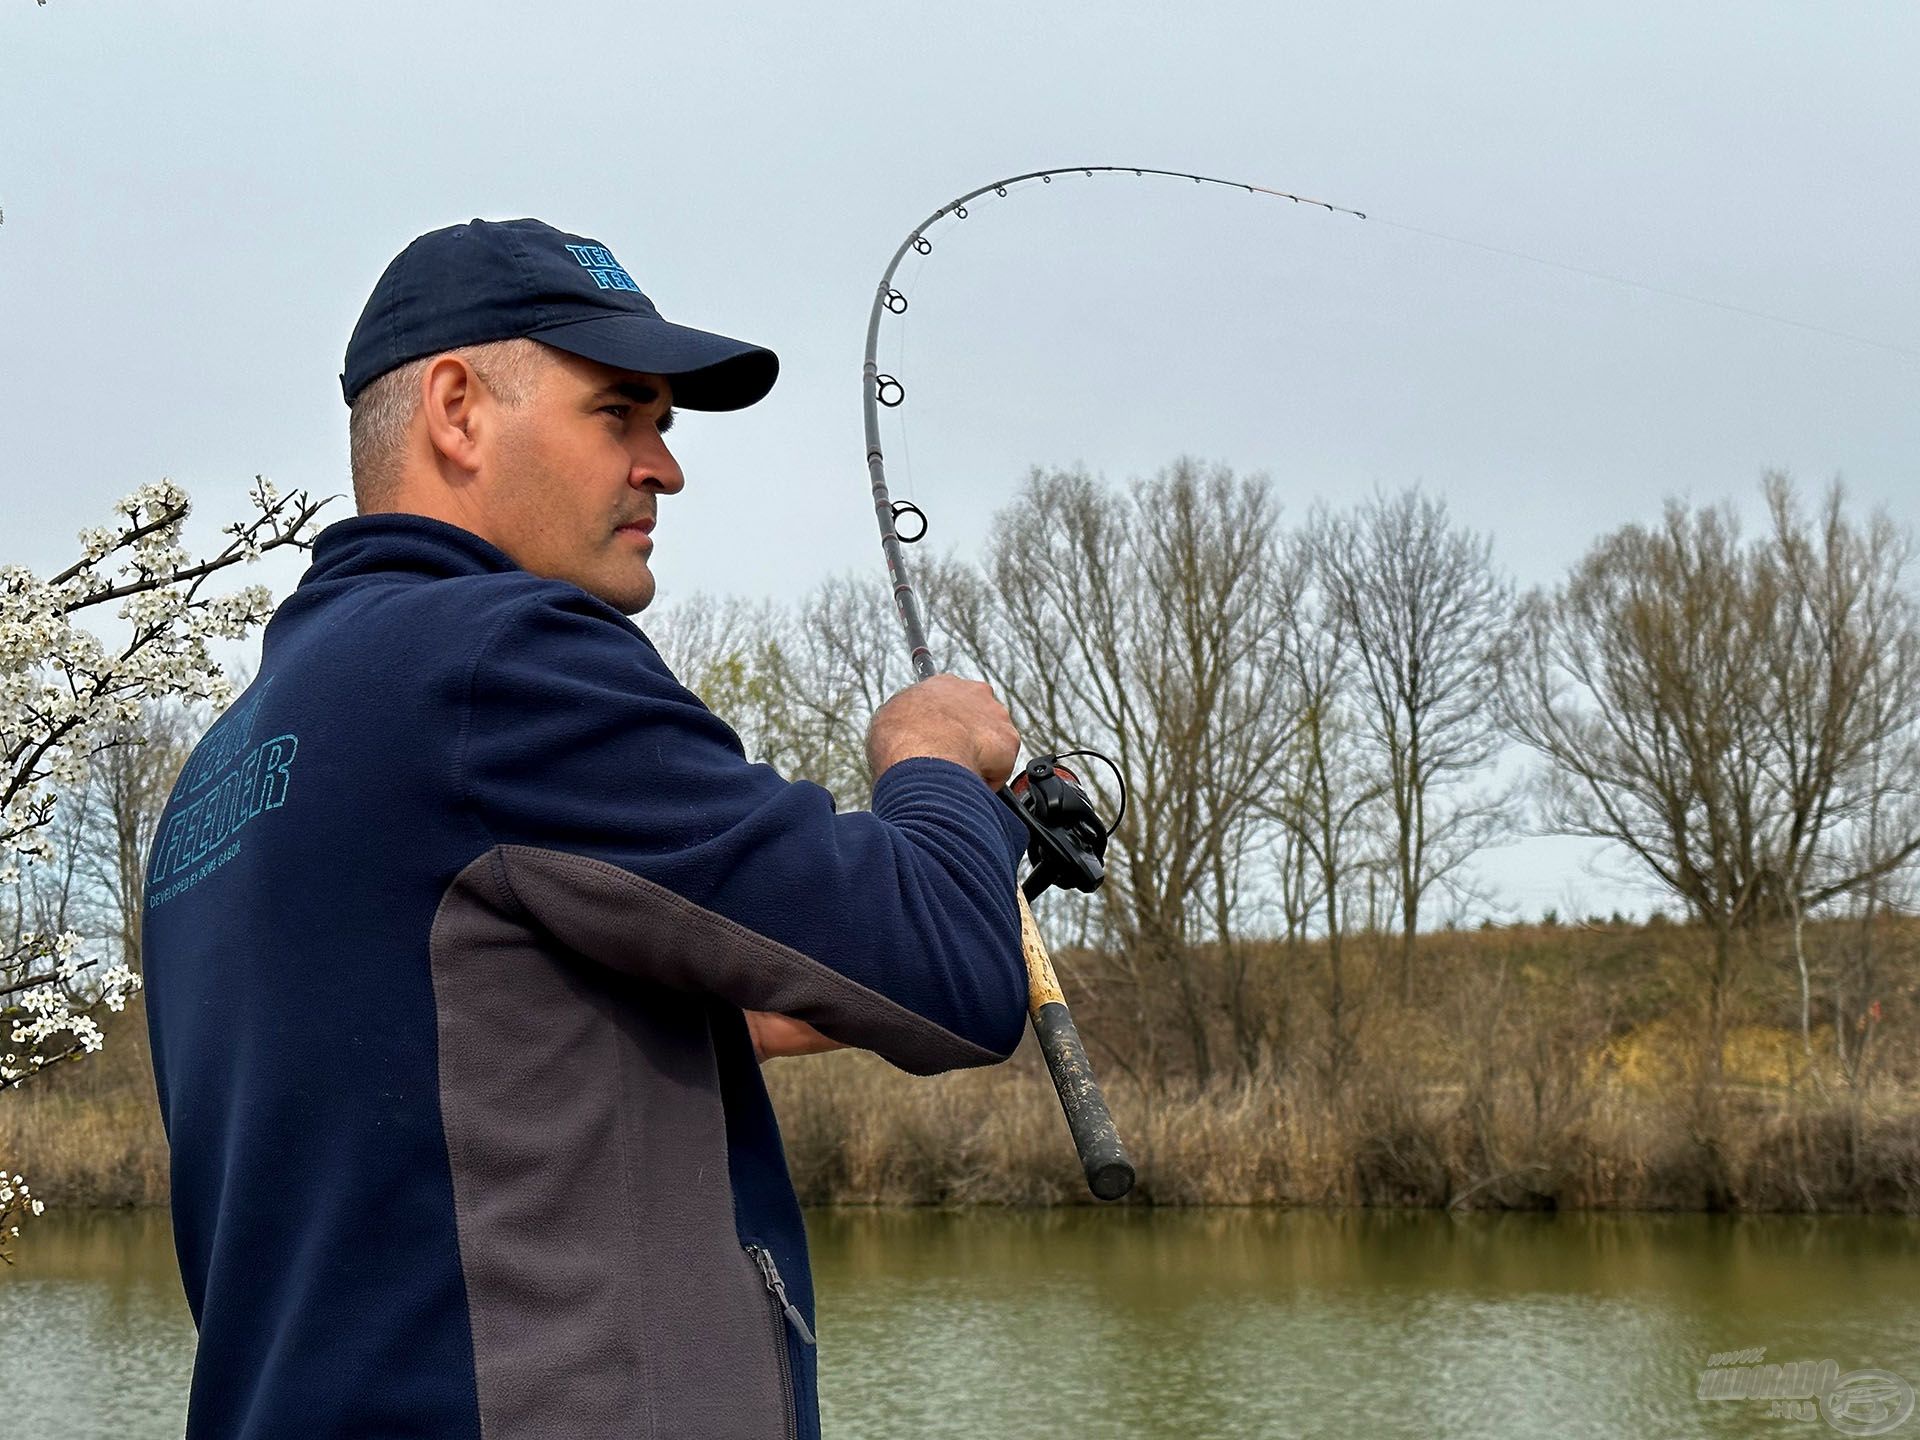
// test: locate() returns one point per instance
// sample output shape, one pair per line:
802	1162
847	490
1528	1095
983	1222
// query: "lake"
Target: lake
1163	1324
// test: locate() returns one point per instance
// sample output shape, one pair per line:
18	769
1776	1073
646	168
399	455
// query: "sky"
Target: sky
198	198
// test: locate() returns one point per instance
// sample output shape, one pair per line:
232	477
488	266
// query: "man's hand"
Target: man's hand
947	718
783	1035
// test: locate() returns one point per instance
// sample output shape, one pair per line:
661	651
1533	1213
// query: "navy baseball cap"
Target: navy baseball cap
503	279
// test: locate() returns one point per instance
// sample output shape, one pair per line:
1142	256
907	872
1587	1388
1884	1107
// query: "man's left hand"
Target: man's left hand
783	1035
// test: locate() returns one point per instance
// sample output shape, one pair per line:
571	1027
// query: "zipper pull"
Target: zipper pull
777	1287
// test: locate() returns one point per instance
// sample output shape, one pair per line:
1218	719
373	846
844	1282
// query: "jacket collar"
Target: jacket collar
414	544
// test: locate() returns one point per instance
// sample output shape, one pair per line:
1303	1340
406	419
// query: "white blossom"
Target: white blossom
65	693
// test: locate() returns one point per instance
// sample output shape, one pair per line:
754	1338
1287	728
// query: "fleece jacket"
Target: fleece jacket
449	926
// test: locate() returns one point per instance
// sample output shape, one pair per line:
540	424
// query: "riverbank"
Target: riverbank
858	1134
88	1133
1542	1067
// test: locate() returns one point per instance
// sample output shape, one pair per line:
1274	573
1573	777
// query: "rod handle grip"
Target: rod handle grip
1103	1158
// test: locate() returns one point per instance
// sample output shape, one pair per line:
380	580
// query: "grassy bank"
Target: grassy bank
1551	1067
88	1131
857	1135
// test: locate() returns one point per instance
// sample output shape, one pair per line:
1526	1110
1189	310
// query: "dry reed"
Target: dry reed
1533	1069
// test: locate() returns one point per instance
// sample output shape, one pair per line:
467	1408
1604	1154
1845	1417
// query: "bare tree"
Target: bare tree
1843	712
845	658
736	655
709	641
720	649
1428	619
53	895
797	684
1638	681
127	787
1716	709
1326	800
92	880
1148	624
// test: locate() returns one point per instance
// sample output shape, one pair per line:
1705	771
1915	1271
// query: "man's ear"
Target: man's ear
451	398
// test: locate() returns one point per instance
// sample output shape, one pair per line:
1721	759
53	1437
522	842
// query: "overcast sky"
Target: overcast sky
198	197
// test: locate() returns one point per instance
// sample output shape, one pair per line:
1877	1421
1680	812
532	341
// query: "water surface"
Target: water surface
1164	1324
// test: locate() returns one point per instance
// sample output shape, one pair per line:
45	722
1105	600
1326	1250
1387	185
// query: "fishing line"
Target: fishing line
901	322
1119	780
1662	290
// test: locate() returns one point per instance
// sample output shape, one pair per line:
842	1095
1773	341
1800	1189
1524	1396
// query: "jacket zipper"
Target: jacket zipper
784	1315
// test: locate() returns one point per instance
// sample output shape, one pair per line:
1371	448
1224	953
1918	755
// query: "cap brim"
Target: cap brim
709	372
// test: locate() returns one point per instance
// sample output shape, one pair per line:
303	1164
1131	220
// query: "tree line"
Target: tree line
1316	720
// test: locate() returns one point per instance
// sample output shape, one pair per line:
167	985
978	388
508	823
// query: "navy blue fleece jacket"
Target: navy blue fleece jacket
450	923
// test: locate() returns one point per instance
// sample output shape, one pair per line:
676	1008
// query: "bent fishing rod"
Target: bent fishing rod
1066	839
1067	842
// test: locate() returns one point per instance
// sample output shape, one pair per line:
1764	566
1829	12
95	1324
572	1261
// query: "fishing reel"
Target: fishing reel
1066	842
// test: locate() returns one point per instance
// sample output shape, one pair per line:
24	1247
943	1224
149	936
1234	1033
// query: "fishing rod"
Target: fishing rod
1067	842
1066	839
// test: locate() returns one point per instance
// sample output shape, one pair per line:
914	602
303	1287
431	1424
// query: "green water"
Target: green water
1188	1325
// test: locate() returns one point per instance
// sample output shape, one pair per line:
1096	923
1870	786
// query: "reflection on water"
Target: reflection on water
1159	1324
95	1340
1344	1324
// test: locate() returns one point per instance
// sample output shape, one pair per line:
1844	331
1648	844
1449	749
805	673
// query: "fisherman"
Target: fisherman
467	922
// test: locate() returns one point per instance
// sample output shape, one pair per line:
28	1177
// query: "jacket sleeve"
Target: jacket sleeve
629	824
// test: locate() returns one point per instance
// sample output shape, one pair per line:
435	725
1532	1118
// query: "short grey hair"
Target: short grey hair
381	413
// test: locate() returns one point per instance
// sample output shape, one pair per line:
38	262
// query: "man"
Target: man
466	923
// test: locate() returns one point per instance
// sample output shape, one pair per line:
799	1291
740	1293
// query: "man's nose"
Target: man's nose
657	468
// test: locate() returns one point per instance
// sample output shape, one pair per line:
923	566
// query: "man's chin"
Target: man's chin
631	599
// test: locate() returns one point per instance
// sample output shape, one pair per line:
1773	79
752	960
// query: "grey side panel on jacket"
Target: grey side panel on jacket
606	1286
632	925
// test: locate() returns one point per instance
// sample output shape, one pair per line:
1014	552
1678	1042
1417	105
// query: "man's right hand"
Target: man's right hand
950	719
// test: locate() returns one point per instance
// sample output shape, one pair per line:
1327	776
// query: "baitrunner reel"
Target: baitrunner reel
1066	843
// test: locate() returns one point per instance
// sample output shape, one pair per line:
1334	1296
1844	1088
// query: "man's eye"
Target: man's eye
618	410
